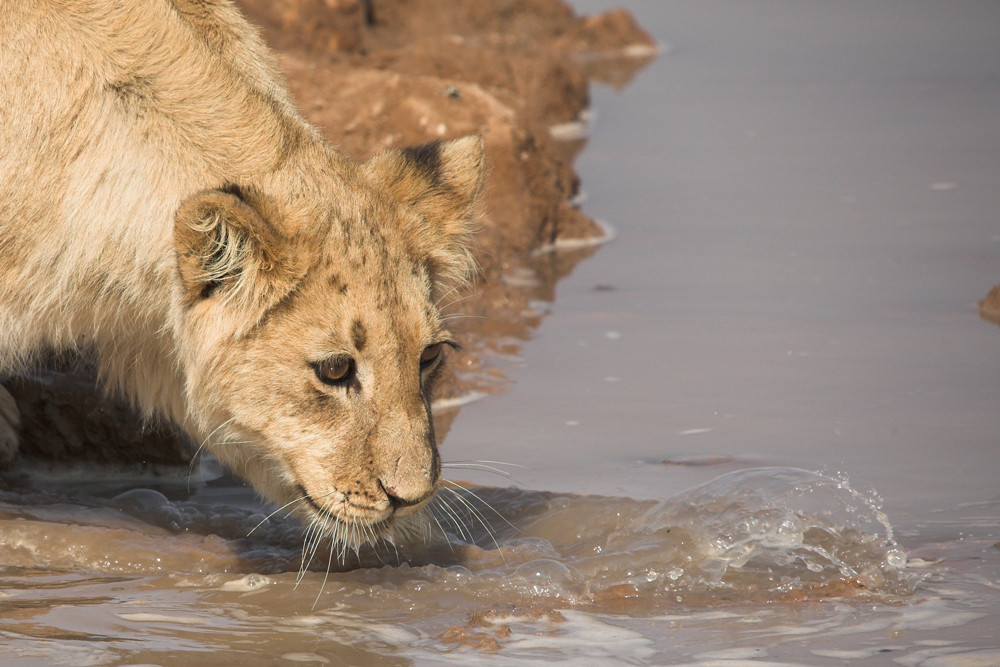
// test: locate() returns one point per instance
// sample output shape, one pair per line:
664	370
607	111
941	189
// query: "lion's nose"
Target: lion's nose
398	502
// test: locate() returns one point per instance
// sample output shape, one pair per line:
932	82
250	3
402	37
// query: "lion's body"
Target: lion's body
164	208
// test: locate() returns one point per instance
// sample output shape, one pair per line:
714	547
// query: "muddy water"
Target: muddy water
94	575
759	427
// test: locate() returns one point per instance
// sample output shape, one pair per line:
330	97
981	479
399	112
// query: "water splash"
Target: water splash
774	533
771	533
782	529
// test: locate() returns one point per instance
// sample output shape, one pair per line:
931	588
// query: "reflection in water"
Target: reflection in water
144	572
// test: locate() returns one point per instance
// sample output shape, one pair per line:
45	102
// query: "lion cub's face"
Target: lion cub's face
311	335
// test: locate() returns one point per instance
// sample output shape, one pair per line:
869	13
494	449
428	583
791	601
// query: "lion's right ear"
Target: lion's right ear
227	250
441	183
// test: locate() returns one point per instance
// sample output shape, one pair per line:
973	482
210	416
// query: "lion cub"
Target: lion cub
165	208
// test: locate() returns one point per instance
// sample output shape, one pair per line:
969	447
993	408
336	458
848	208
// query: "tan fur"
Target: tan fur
164	208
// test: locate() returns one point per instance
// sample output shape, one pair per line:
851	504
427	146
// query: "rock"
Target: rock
989	308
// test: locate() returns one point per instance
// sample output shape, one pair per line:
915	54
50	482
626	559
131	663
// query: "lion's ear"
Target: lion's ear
441	182
227	250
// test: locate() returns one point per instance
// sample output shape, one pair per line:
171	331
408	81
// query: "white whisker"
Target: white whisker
480	500
494	463
475	513
460	299
455	519
444	533
477	466
311	544
204	442
460	316
265	519
329	564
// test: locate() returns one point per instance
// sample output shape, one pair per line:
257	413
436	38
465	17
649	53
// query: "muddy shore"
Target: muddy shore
373	74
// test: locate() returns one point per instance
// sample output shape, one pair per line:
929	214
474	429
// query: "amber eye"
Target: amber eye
430	355
335	371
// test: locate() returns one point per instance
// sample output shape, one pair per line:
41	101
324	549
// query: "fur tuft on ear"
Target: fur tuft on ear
441	182
227	250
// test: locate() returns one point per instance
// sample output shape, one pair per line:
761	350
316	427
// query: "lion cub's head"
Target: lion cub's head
310	336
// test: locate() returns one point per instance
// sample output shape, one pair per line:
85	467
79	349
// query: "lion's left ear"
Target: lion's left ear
441	182
227	250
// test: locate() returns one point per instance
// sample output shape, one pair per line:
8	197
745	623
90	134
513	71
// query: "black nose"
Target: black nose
397	502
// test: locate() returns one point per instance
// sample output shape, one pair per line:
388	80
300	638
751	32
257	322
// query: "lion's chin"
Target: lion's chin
365	526
347	542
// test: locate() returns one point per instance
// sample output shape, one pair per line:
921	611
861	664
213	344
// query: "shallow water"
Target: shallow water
96	575
759	427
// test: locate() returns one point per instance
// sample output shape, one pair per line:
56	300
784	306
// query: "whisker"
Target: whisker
216	430
314	533
479	499
197	452
437	302
329	563
455	519
353	535
464	502
311	546
444	533
461	316
356	531
398	561
314	537
477	466
373	541
459	299
495	463
482	520
265	519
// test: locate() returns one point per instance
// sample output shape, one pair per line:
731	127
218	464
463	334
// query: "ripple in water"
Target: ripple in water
768	533
777	533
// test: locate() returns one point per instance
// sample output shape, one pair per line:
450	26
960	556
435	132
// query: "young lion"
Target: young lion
164	208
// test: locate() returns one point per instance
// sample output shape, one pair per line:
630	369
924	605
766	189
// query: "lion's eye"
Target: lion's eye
430	355
334	371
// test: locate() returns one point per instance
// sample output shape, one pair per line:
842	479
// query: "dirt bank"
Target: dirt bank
378	73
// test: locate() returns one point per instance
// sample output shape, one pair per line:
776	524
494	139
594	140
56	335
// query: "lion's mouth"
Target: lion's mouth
327	513
313	504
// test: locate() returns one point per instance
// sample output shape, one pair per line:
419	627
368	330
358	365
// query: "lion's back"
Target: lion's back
109	104
111	112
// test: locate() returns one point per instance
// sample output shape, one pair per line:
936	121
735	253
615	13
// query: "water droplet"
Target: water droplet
896	558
